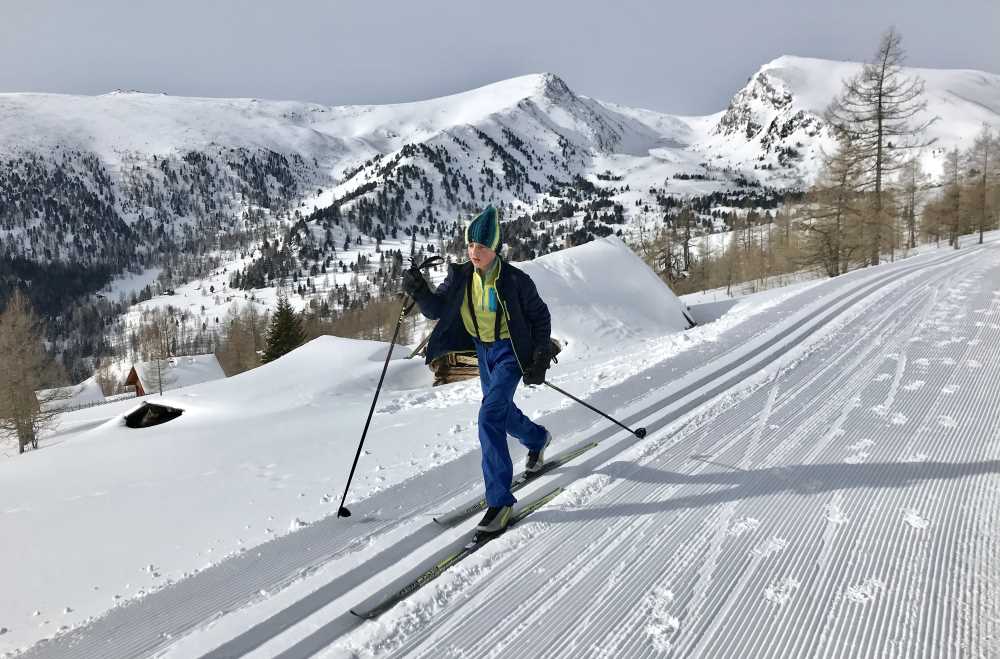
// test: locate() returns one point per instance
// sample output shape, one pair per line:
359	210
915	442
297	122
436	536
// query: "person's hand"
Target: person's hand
535	373
414	283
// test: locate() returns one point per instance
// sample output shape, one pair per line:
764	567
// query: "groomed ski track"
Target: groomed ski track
832	493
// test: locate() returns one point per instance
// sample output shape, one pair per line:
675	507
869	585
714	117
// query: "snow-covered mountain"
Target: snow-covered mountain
124	180
776	120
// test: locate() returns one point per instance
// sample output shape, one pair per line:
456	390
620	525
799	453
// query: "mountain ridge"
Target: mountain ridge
127	181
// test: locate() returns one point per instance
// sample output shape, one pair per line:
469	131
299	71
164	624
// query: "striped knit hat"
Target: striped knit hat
485	229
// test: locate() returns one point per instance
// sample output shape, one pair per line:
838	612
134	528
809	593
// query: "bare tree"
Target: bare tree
982	164
952	206
244	340
832	214
913	182
877	109
158	339
27	369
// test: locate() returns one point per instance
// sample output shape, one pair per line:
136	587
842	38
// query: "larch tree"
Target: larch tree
983	165
952	200
244	340
831	217
26	411
913	185
159	338
878	109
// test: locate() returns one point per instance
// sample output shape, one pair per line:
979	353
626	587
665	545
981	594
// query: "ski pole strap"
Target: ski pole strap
430	262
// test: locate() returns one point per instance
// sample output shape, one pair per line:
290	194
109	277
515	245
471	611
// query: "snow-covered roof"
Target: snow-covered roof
181	372
87	392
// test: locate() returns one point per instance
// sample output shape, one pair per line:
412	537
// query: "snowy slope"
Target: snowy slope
260	453
820	468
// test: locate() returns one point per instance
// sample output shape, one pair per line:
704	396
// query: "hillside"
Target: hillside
256	193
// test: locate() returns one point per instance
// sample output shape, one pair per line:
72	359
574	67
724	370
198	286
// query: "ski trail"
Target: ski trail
847	390
814	575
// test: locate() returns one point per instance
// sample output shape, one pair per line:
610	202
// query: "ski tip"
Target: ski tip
361	614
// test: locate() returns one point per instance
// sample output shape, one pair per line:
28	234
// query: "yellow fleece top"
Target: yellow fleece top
487	305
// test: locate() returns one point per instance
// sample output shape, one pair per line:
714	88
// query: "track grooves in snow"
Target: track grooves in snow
844	300
663	517
874	502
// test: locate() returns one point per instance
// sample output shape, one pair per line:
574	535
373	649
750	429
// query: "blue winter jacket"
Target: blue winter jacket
528	319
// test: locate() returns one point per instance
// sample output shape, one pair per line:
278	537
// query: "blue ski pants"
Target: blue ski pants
499	375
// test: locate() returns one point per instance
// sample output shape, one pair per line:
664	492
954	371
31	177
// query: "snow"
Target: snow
86	393
959	103
766	507
538	107
178	372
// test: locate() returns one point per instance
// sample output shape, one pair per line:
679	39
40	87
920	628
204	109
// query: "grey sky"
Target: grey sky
685	58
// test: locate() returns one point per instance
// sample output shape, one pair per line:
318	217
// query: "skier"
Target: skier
490	305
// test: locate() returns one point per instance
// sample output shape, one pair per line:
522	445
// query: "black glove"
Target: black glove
414	283
535	373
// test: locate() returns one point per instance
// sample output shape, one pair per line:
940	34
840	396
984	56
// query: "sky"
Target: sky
682	58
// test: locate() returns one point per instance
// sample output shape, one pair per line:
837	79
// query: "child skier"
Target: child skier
490	305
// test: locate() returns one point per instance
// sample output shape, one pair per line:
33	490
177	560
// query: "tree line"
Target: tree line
871	200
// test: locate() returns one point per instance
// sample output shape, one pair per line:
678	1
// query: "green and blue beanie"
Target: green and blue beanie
485	229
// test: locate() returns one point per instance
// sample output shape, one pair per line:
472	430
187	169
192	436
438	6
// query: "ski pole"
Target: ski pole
343	511
638	432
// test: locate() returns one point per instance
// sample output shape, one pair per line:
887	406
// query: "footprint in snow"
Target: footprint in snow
949	389
972	364
914	519
743	525
772	545
857	458
898	419
882	377
861	445
834	514
914	385
865	591
781	591
662	624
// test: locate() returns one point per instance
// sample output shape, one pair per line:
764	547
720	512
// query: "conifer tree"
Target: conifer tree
982	163
285	333
831	216
877	110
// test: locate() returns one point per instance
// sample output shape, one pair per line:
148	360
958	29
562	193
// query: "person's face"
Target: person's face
481	256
